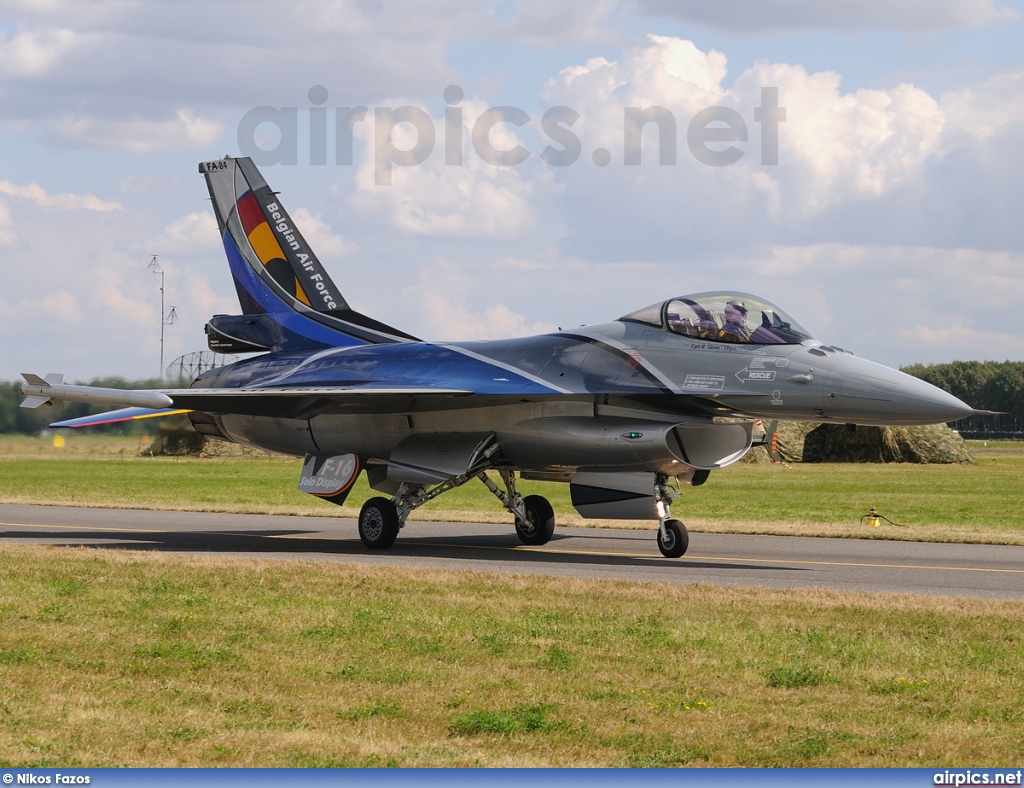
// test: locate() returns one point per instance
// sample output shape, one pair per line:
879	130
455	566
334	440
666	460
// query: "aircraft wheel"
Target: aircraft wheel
541	519
675	540
378	523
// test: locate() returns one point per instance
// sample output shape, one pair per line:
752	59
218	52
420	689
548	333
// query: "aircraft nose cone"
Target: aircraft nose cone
867	393
930	403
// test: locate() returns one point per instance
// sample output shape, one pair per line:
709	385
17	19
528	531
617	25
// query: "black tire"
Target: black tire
378	523
675	540
541	521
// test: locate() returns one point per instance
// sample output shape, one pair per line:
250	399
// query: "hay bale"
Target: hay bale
932	443
176	437
789	439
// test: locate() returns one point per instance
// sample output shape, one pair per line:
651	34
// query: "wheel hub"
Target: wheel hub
373	524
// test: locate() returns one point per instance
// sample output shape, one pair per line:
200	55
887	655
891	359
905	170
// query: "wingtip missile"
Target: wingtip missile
41	391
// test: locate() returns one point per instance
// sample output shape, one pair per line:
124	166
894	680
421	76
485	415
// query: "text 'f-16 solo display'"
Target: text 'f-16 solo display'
625	412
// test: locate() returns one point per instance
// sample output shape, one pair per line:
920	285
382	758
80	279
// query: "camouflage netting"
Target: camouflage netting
176	437
801	442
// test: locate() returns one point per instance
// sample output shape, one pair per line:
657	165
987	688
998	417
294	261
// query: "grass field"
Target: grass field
112	658
954	503
119	658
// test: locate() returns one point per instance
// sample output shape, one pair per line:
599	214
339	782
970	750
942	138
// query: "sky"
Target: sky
521	166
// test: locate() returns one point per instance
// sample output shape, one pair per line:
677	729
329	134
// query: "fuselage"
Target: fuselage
624	371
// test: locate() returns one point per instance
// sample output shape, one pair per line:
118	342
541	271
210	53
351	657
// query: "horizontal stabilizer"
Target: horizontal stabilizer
118	416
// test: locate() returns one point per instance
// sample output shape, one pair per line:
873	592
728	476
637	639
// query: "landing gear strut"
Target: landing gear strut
535	519
673	538
381	519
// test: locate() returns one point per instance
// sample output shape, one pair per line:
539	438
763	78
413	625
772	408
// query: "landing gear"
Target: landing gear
673	538
381	519
540	521
379	523
535	519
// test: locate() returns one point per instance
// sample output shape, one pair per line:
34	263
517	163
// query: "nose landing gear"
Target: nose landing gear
673	538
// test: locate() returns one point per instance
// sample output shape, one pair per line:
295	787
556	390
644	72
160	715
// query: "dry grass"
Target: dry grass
128	659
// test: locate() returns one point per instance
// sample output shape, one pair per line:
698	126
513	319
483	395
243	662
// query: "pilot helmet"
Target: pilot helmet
738	305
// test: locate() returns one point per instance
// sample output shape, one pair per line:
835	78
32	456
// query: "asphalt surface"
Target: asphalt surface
990	571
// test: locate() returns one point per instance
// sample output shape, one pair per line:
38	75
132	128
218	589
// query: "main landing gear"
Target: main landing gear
673	538
381	519
379	523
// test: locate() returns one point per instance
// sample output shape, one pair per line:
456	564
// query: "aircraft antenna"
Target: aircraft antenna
185	369
166	318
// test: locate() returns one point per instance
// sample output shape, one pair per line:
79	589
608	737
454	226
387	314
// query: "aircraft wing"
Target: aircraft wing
300	401
148	403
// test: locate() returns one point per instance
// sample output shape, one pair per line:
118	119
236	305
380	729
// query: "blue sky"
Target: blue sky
890	226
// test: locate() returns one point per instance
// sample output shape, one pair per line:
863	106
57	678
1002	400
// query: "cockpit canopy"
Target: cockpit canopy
723	317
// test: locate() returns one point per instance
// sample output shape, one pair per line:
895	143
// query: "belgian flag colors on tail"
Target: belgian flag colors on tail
288	299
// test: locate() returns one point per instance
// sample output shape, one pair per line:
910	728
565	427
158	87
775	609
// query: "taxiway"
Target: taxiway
865	565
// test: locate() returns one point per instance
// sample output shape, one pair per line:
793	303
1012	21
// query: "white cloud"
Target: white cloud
195	233
35	53
472	200
442	311
324	243
98	313
871	166
834	146
542	23
184	131
105	74
121	296
839	146
981	112
765	15
7	234
199	301
138	186
65	202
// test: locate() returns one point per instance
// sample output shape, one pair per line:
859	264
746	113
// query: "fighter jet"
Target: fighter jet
627	412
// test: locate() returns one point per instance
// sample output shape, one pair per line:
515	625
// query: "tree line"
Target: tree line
985	385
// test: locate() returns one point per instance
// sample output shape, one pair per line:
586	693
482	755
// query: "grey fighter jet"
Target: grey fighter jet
625	412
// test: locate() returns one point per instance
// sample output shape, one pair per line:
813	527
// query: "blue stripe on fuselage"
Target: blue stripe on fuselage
416	365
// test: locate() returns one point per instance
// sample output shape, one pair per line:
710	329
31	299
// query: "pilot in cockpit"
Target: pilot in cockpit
735	328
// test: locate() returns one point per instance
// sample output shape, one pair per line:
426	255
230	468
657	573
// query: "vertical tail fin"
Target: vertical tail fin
276	273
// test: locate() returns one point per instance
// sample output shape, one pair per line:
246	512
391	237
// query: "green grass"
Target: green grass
125	659
111	658
955	503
